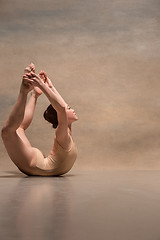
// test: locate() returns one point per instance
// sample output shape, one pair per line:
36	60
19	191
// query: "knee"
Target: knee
5	132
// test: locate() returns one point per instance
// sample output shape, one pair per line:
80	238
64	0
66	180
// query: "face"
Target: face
72	117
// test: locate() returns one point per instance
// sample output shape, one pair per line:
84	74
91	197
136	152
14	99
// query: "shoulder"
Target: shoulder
65	143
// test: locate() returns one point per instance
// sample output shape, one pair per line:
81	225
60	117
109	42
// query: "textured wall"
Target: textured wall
104	59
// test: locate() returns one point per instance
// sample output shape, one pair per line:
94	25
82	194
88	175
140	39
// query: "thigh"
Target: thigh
20	151
21	134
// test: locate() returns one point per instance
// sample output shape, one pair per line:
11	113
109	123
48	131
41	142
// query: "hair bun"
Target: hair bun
50	115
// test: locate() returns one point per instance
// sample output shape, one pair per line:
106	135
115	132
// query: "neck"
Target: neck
69	127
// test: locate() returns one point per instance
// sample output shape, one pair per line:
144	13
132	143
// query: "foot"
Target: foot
37	91
27	84
30	68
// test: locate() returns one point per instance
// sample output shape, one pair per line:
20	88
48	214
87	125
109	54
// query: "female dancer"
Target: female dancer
28	159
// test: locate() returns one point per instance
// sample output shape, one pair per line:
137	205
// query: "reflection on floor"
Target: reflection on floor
113	205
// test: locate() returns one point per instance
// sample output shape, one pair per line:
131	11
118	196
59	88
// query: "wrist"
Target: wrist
23	92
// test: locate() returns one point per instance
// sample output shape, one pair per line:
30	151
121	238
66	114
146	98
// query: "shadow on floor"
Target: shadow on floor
15	174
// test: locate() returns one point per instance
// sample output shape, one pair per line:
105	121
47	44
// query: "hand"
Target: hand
46	80
43	75
27	84
37	81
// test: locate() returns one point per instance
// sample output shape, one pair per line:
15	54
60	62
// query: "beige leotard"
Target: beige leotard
55	164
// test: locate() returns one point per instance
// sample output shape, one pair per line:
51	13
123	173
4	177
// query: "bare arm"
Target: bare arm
57	93
47	80
60	106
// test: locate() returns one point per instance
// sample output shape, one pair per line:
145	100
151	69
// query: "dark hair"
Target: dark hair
50	115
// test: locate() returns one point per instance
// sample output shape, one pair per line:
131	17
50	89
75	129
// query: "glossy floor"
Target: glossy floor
113	205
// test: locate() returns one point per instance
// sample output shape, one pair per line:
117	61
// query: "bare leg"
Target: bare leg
28	116
22	154
29	111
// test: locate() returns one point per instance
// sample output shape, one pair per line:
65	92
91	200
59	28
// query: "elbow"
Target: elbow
6	132
61	109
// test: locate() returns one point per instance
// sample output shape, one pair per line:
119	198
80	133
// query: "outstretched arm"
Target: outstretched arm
55	99
59	105
46	80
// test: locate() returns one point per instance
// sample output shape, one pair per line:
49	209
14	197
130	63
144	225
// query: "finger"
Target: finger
33	68
32	65
34	75
27	70
31	75
34	79
28	74
47	81
41	72
26	77
43	76
28	80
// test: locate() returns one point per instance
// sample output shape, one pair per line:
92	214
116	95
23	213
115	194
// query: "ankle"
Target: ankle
34	94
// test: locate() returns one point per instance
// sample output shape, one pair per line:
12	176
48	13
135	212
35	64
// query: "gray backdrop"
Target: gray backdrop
103	57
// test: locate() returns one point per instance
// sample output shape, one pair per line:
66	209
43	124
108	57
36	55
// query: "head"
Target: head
71	115
50	115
